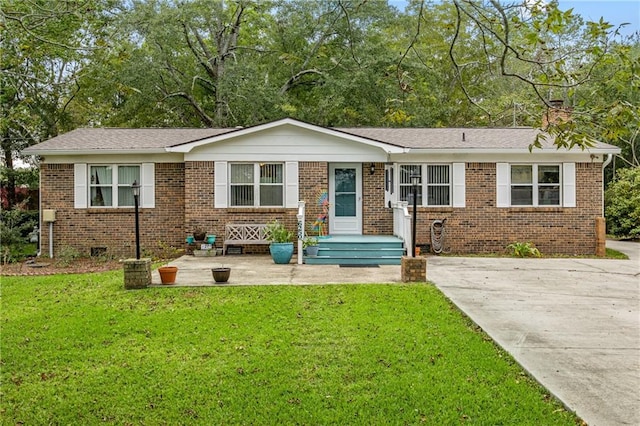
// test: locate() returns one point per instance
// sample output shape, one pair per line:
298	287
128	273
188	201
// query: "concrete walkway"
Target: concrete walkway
574	324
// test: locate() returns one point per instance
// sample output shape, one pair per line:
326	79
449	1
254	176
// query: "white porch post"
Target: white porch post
300	217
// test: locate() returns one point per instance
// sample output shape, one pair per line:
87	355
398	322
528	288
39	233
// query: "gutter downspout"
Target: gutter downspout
39	212
604	165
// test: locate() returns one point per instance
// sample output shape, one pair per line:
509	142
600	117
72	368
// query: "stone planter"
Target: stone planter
221	275
204	253
168	274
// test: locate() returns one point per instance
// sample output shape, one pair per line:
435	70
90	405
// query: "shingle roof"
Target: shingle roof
157	139
125	139
453	138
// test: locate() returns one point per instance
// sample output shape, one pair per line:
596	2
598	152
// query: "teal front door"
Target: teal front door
345	198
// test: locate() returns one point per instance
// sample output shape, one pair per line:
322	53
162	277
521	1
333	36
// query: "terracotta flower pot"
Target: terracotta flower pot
168	274
221	275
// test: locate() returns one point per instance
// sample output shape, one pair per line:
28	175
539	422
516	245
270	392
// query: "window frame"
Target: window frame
257	184
425	185
115	185
535	184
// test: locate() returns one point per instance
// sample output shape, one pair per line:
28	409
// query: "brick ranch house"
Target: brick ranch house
485	182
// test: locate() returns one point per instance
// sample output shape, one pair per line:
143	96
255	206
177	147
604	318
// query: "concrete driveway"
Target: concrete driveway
574	324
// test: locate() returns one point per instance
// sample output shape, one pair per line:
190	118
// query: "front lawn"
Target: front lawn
78	349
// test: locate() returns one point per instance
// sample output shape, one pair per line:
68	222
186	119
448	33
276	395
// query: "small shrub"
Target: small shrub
15	226
67	255
523	249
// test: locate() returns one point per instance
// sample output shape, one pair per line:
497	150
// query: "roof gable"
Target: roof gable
284	123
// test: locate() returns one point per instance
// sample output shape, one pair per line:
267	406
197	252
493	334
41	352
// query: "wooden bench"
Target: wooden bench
244	233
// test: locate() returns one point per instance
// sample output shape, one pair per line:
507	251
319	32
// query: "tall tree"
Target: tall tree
44	49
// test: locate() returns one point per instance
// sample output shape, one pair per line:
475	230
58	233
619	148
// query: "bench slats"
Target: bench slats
244	233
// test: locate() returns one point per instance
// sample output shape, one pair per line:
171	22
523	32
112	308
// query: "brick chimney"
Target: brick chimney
556	113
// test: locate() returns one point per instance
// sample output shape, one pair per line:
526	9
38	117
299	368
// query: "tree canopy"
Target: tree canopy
202	63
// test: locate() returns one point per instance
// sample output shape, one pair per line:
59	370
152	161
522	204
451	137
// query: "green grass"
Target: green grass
615	254
81	350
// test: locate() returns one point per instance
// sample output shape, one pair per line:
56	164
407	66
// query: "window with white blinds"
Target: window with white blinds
435	186
256	184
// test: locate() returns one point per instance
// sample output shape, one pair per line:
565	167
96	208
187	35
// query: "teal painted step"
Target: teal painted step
358	250
361	252
328	260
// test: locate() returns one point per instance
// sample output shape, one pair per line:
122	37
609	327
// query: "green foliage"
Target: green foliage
622	204
309	241
29	177
276	232
15	226
90	352
526	249
67	255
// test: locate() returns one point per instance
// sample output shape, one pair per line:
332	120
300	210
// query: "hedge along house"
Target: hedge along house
491	189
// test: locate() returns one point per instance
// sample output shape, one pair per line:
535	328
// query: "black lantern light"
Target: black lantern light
135	188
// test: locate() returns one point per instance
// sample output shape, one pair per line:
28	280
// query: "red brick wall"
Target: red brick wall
200	211
481	227
377	220
185	201
82	229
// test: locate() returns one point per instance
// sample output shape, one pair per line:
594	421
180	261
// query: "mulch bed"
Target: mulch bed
50	267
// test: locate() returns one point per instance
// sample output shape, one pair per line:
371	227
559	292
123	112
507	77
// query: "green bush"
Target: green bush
15	226
523	250
622	201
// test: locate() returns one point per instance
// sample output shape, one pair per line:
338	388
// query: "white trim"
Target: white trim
568	184
220	184
459	185
345	224
291	184
188	147
148	182
503	185
80	182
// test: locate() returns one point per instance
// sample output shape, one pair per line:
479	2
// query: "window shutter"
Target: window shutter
390	195
80	192
291	190
459	192
148	192
503	190
569	184
220	184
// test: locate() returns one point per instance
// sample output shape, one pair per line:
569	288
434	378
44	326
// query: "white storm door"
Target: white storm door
345	198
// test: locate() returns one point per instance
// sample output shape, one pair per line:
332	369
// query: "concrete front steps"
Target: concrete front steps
358	250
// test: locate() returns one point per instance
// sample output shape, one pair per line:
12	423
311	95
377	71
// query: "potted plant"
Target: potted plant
281	247
168	274
199	234
221	274
310	244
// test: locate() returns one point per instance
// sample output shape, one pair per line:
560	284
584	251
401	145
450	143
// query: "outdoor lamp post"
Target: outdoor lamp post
415	181
135	187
